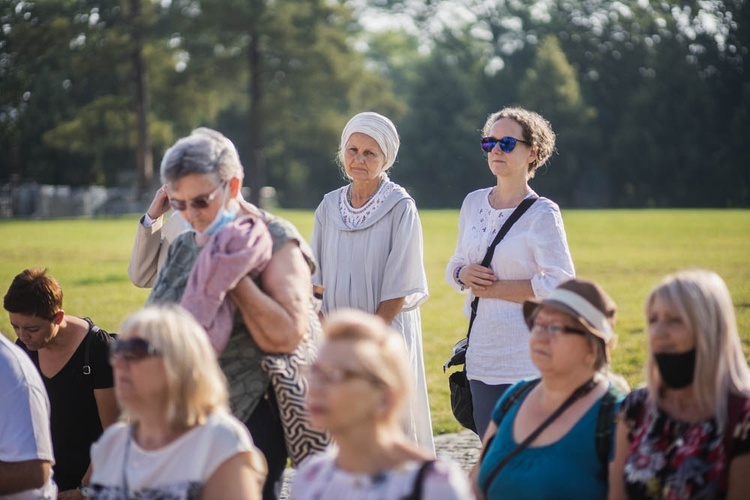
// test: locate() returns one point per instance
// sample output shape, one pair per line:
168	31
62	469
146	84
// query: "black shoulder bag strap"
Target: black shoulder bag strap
517	213
416	493
577	394
518	394
92	330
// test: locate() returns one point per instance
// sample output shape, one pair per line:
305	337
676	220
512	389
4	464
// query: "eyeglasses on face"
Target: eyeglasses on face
199	202
507	144
318	374
555	330
132	349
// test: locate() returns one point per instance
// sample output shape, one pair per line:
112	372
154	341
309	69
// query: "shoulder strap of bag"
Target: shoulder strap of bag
604	428
577	394
517	213
416	492
517	394
93	330
89	335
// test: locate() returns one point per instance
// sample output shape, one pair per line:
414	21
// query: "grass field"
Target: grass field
626	251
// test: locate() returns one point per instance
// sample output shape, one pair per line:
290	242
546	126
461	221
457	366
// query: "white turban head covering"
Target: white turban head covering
379	128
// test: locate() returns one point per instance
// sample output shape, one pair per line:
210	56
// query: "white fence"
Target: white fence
47	201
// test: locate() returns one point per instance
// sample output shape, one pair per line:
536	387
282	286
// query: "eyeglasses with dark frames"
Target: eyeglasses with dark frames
199	202
132	349
507	144
555	330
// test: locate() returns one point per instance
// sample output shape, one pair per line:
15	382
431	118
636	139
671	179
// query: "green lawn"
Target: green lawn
627	251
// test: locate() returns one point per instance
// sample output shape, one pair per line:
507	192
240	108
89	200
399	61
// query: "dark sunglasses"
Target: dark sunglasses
133	349
199	202
507	144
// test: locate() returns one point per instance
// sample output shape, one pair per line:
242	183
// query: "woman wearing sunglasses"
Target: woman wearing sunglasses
177	438
367	239
358	386
530	261
552	437
203	175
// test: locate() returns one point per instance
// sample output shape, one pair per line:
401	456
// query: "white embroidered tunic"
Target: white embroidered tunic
320	478
536	249
378	260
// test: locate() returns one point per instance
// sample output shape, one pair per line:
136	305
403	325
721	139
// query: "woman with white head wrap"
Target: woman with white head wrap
367	240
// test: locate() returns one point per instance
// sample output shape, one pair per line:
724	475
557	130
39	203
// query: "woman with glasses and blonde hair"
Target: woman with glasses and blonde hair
177	438
229	263
552	437
530	261
358	385
687	433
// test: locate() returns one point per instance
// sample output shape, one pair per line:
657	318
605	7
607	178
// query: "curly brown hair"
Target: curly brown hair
537	131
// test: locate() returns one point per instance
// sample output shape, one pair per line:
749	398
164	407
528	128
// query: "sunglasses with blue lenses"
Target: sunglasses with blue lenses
507	144
132	349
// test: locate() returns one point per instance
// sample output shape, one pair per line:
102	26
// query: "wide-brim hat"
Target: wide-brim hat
583	300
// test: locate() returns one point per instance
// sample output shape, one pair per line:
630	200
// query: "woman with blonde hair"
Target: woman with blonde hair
686	434
358	385
177	437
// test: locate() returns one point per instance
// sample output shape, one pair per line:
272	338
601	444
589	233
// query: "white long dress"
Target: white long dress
380	259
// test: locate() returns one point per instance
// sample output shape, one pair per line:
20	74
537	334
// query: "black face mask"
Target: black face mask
676	369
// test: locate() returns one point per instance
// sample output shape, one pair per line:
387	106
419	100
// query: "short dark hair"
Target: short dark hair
33	293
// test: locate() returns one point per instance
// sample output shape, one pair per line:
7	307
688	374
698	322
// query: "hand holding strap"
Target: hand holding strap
517	213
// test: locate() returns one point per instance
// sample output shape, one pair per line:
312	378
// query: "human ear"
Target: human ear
57	319
235	184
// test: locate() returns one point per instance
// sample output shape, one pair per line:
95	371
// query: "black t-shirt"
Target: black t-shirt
74	416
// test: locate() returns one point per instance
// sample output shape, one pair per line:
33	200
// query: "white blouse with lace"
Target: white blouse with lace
320	478
535	249
355	217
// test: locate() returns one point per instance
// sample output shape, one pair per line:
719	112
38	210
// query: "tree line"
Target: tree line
649	98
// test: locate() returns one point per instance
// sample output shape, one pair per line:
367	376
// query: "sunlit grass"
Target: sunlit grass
626	251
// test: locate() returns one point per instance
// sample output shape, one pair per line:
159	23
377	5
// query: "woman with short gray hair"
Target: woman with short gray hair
203	175
367	239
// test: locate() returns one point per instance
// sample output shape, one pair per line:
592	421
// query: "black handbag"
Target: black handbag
461	403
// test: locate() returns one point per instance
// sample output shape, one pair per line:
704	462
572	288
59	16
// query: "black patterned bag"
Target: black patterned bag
290	386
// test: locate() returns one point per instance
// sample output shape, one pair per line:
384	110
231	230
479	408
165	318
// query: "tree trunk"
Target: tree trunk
256	167
144	159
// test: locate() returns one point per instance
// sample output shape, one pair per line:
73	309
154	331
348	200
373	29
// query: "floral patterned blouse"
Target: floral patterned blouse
671	459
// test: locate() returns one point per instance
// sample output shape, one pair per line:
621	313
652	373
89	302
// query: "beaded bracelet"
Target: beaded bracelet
458	280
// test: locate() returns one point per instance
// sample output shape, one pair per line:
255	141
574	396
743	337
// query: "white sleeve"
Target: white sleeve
459	255
404	270
549	244
24	419
316	243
